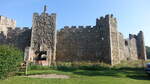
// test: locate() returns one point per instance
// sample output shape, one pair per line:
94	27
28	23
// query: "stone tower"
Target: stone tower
103	27
141	46
43	38
110	38
114	40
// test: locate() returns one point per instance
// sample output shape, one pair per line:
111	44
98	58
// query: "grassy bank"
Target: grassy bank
119	74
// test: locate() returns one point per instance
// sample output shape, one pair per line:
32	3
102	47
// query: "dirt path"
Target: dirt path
48	76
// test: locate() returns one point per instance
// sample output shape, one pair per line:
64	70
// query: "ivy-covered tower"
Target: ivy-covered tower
43	39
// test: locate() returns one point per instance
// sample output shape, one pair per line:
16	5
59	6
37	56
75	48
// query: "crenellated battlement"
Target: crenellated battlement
106	19
99	21
131	36
37	15
77	27
6	23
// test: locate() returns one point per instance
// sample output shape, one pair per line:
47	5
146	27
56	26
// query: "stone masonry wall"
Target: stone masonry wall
99	43
122	50
18	37
141	46
6	23
78	44
103	26
43	39
85	43
114	39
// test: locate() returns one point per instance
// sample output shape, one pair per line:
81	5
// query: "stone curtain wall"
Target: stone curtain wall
122	50
133	49
85	43
18	37
78	44
100	43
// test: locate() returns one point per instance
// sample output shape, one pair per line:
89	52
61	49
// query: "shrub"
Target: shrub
10	60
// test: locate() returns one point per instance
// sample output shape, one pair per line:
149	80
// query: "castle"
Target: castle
45	45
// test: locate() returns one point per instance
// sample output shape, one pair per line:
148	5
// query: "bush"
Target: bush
10	60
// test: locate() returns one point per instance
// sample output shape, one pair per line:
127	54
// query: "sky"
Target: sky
132	15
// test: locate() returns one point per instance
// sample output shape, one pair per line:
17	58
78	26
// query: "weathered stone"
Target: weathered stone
6	23
100	43
43	37
141	46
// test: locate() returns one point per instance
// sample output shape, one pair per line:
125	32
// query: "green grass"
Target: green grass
124	75
86	73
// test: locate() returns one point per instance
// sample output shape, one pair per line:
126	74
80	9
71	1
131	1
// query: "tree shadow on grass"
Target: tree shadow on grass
95	73
134	73
144	77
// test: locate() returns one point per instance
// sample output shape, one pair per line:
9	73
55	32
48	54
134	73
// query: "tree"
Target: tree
10	60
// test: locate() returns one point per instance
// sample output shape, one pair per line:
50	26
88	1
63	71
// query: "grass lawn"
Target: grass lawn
112	76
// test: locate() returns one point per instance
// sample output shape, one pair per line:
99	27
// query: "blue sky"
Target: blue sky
132	15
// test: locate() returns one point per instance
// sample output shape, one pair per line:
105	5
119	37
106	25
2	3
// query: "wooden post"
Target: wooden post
26	59
26	72
49	56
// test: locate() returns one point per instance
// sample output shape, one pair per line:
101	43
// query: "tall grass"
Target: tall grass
68	66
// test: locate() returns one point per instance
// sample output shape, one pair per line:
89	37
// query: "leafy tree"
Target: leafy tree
10	60
148	52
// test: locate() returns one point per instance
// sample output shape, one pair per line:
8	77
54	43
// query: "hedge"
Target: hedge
10	60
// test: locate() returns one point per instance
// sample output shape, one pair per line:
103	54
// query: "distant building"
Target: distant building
6	23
